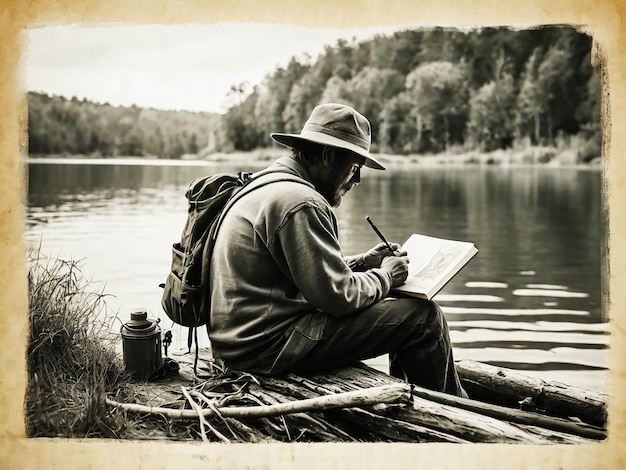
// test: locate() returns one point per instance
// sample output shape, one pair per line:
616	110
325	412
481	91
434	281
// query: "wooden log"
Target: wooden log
516	416
396	430
509	388
404	421
441	419
363	421
316	425
555	437
466	424
366	420
361	375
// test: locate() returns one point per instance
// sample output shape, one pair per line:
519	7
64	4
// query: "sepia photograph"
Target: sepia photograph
222	223
491	135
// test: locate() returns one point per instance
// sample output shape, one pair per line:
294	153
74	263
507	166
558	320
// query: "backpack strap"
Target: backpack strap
256	181
250	183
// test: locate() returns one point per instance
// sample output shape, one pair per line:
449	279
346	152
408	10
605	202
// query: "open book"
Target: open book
432	263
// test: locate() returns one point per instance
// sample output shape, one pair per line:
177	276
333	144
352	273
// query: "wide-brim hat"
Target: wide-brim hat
337	125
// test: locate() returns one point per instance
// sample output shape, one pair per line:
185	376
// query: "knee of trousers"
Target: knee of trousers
430	314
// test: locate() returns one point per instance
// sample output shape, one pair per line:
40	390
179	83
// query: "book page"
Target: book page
431	260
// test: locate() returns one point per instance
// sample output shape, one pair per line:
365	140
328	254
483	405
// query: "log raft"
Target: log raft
361	404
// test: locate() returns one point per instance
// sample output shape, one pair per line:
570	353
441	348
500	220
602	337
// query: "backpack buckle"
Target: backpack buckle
243	177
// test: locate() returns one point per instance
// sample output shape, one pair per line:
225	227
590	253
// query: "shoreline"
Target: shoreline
528	156
531	156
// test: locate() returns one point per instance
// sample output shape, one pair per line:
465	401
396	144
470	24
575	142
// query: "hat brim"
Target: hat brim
292	140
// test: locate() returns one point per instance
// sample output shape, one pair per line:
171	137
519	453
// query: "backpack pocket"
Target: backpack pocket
180	300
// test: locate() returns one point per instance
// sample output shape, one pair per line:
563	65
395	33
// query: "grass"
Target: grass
72	361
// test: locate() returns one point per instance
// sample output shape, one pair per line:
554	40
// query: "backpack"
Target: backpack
186	288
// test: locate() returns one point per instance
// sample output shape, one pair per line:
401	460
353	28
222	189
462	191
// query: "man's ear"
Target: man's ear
328	156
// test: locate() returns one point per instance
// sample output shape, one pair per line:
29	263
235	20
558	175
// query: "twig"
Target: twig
199	413
211	405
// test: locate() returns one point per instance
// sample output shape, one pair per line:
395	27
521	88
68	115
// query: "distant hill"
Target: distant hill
61	126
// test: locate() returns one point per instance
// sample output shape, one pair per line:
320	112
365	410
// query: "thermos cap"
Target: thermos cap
139	320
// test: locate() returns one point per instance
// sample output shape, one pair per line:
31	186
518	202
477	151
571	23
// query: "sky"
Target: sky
174	67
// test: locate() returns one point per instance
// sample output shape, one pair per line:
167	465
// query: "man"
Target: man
283	297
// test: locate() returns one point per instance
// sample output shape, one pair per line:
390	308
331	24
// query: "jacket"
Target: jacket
277	268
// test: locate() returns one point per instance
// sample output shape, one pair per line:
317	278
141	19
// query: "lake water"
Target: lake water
531	300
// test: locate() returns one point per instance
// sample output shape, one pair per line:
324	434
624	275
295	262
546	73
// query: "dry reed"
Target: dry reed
72	362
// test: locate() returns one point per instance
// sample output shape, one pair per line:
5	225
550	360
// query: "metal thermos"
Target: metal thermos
141	345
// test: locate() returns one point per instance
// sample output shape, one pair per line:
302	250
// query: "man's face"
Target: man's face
344	173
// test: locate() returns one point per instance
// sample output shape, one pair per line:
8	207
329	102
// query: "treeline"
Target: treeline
432	90
424	91
58	126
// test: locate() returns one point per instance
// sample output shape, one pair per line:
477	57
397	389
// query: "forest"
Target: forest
425	91
60	126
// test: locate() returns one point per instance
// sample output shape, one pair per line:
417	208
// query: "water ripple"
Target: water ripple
548	293
512	311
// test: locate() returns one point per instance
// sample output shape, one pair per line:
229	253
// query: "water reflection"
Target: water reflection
530	300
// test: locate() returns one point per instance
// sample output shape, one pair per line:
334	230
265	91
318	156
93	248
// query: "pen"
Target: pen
380	235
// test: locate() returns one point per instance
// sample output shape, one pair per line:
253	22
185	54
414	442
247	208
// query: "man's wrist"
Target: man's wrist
385	279
360	262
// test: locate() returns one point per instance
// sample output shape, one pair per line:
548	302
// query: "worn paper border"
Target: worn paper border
603	19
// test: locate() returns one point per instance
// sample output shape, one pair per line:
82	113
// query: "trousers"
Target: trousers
414	333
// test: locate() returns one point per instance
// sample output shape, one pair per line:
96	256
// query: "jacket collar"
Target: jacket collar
293	166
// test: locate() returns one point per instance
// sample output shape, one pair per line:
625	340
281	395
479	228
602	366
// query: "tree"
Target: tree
241	126
37	138
304	96
336	91
491	122
492	107
439	94
381	53
272	96
405	56
397	127
531	103
371	88
555	74
544	93
441	44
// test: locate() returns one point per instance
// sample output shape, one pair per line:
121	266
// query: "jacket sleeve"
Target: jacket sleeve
355	262
307	250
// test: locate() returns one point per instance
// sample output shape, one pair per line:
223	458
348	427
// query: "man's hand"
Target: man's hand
374	257
398	267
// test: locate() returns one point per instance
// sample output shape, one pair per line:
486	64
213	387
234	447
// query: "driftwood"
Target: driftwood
515	416
449	420
509	388
384	394
438	414
354	403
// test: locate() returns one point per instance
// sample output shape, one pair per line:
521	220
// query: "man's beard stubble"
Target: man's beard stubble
331	191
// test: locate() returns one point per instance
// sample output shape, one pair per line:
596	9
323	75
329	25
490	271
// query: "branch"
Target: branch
369	396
